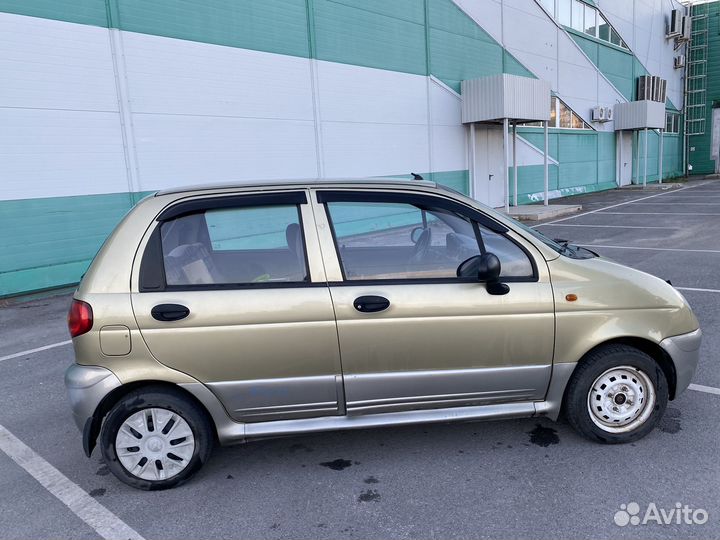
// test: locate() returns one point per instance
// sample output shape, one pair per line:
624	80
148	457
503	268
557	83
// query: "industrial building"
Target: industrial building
105	101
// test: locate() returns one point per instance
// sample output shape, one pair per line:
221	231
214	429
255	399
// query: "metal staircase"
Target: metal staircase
696	71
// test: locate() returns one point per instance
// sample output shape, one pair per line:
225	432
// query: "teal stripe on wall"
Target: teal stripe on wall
92	12
458	180
49	242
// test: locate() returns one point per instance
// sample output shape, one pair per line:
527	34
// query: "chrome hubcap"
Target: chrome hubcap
154	444
621	399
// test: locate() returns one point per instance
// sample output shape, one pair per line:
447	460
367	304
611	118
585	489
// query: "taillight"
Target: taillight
80	318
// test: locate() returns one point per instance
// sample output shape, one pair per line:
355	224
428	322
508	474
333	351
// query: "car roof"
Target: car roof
316	182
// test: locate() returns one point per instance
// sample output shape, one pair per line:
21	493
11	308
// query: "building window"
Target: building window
561	116
578	16
672	123
564	12
585	18
590	20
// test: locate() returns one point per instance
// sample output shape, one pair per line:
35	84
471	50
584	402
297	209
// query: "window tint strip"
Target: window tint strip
194	206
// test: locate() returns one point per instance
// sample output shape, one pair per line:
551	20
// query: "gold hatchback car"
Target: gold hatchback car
231	313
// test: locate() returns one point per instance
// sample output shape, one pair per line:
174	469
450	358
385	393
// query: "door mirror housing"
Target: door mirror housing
485	268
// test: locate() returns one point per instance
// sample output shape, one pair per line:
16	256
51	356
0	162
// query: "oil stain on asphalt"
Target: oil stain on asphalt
338	464
543	436
670	422
369	495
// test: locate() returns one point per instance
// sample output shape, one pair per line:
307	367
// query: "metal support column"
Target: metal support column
645	165
660	156
506	143
545	164
619	168
515	171
472	161
637	157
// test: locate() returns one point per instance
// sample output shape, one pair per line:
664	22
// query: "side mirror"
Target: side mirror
484	268
415	234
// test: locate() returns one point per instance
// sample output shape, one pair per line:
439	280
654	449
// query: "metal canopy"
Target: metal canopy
494	98
639	115
502	99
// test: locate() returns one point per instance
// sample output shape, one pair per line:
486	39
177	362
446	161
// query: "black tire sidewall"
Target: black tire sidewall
163	399
590	369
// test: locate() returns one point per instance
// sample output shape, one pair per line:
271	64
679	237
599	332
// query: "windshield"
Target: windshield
563	247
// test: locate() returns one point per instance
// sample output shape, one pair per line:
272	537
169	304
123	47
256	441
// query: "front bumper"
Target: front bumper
86	387
684	350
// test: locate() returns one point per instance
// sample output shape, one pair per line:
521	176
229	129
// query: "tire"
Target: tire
617	394
161	426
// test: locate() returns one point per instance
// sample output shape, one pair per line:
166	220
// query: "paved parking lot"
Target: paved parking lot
511	479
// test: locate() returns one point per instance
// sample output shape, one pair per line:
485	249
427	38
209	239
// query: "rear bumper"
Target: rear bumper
684	350
86	387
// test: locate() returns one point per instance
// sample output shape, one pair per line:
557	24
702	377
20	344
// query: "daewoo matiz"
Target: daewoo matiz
232	313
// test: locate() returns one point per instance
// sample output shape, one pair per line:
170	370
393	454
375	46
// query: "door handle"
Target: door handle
371	304
169	312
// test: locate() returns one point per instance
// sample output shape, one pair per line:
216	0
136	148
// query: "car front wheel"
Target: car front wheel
155	438
617	394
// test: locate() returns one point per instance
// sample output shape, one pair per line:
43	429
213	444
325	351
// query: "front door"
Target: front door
488	188
241	304
413	335
625	157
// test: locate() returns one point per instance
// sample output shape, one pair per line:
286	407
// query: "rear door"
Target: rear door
231	290
413	335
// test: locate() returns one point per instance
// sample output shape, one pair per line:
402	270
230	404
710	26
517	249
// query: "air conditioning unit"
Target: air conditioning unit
651	88
679	61
602	114
686	28
675	29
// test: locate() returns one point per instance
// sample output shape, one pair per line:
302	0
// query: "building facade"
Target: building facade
703	90
104	101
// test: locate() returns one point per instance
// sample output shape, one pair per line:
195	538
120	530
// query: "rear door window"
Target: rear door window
225	246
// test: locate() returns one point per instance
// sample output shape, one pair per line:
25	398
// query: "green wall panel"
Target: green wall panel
350	33
49	242
458	180
92	12
278	26
700	157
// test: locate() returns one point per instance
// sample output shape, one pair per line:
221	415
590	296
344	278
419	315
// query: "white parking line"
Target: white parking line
607	226
654	214
652	248
706	389
695	289
38	349
675	203
574	216
105	523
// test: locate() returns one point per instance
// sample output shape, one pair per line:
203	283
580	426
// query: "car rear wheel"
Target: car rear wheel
155	438
617	394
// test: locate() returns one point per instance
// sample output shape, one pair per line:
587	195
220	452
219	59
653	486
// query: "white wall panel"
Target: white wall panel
55	65
449	148
59	123
174	76
360	94
445	104
175	150
53	153
355	149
